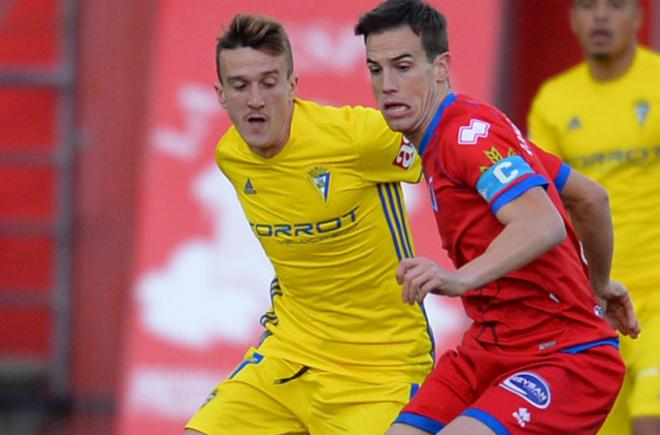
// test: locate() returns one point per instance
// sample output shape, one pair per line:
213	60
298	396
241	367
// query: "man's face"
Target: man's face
605	28
258	97
404	82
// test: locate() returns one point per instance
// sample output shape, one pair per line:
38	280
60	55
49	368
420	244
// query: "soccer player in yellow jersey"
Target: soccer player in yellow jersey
603	118
342	353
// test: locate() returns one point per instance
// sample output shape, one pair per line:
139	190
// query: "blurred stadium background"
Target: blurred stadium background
129	283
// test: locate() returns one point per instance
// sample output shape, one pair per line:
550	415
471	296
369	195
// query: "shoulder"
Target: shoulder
563	84
351	122
229	144
469	116
650	59
312	108
230	139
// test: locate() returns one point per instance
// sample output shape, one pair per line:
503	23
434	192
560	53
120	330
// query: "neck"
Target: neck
268	152
611	67
417	136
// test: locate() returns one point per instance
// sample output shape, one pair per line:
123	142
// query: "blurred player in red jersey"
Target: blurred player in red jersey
539	357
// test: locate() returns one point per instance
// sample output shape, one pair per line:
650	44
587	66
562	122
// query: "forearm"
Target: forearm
594	227
520	242
589	207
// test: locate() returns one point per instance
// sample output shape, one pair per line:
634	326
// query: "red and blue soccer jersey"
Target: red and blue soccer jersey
538	356
475	162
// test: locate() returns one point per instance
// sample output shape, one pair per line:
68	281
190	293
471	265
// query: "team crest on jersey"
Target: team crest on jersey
530	387
249	188
470	134
406	155
642	111
320	178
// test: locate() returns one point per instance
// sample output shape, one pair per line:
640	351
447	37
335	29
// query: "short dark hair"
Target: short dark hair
423	19
258	32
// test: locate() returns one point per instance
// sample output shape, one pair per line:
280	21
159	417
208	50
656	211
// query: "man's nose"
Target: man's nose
389	82
255	99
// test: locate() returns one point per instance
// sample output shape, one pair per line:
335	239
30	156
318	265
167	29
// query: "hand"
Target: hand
619	310
421	276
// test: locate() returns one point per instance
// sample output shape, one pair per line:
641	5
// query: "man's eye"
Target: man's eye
374	70
403	67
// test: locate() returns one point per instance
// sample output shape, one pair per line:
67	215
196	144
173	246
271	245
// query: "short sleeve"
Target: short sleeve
557	169
385	155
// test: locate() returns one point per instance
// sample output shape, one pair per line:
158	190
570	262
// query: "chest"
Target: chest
299	194
609	126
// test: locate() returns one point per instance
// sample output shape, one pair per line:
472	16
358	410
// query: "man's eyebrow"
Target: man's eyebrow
269	72
393	59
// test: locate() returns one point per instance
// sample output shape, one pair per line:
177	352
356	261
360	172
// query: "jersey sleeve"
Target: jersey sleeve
492	157
539	129
385	156
557	169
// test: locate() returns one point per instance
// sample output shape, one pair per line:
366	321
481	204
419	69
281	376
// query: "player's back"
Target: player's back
330	214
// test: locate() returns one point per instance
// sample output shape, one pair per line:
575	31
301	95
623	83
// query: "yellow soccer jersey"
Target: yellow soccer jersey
610	132
330	214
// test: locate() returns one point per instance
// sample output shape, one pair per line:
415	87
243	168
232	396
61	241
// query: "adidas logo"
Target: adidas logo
642	111
574	123
249	188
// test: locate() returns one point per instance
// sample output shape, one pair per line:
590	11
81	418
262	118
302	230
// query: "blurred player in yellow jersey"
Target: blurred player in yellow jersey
603	118
319	186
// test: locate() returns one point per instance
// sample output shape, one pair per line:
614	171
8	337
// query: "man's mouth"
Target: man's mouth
600	35
395	108
256	120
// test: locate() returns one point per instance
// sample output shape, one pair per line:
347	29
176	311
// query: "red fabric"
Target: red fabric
581	389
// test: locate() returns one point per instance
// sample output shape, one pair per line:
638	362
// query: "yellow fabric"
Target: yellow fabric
640	395
334	234
253	402
610	132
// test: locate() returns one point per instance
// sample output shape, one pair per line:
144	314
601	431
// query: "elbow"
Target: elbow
601	197
555	232
560	234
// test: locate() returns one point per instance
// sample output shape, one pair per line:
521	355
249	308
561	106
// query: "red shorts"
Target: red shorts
571	391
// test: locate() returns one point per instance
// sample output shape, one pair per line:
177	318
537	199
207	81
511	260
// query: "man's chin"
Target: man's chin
601	54
397	124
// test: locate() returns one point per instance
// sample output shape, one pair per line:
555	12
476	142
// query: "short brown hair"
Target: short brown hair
258	32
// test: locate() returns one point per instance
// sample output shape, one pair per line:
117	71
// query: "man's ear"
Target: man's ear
220	93
441	66
293	84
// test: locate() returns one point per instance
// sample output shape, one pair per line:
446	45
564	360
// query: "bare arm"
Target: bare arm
532	226
588	204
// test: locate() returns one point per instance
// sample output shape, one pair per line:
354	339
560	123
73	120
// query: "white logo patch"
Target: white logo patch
406	156
523	416
470	134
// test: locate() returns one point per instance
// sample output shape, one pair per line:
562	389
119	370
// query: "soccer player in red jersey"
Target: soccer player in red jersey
539	356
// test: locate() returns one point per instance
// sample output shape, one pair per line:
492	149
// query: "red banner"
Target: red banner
201	279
